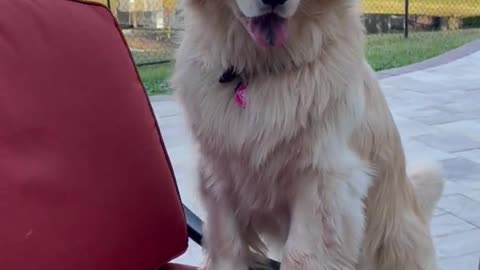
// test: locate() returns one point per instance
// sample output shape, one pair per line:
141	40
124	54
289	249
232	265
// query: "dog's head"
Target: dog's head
270	34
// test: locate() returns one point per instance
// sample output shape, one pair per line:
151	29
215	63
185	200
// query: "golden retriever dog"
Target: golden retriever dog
298	148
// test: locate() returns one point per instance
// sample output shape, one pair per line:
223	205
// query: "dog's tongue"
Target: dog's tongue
269	30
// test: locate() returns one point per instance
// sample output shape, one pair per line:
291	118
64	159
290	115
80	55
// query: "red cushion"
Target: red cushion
84	179
173	266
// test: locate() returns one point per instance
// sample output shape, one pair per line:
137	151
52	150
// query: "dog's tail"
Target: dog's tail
428	184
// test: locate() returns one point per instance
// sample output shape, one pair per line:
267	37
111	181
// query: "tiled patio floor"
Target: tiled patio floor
438	113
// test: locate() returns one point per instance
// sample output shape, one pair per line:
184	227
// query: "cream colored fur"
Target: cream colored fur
314	163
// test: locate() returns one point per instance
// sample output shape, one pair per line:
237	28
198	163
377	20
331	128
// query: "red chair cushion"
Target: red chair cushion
84	179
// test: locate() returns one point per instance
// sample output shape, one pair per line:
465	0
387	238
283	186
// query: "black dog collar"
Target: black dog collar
228	76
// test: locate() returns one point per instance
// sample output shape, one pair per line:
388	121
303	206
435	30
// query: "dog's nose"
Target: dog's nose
274	3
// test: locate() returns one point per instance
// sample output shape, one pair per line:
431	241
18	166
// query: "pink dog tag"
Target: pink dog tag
241	95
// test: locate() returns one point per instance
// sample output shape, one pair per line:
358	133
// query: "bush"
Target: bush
471	22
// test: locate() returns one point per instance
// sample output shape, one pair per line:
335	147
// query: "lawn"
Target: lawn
440	8
384	51
152	56
387	51
155	78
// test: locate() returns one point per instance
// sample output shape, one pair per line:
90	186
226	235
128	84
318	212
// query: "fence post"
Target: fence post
405	30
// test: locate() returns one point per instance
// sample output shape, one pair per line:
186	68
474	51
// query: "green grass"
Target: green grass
155	78
392	50
384	51
152	56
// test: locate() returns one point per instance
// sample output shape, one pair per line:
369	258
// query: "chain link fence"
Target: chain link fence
400	32
387	16
149	26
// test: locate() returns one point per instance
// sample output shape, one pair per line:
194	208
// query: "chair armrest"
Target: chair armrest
194	229
194	226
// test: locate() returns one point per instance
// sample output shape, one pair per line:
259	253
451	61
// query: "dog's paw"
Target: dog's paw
299	260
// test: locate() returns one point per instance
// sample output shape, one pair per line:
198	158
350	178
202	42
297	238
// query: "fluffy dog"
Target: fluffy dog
298	147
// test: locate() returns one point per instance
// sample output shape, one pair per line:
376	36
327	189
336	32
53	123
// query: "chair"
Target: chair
85	180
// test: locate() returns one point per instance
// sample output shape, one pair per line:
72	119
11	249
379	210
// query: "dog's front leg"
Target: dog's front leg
327	223
224	245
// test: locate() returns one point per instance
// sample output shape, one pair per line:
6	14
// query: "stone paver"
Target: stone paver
473	155
447	224
469	261
448	142
438	116
463	207
458	244
461	169
469	128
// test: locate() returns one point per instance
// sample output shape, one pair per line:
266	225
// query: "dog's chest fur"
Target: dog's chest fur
271	116
253	155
